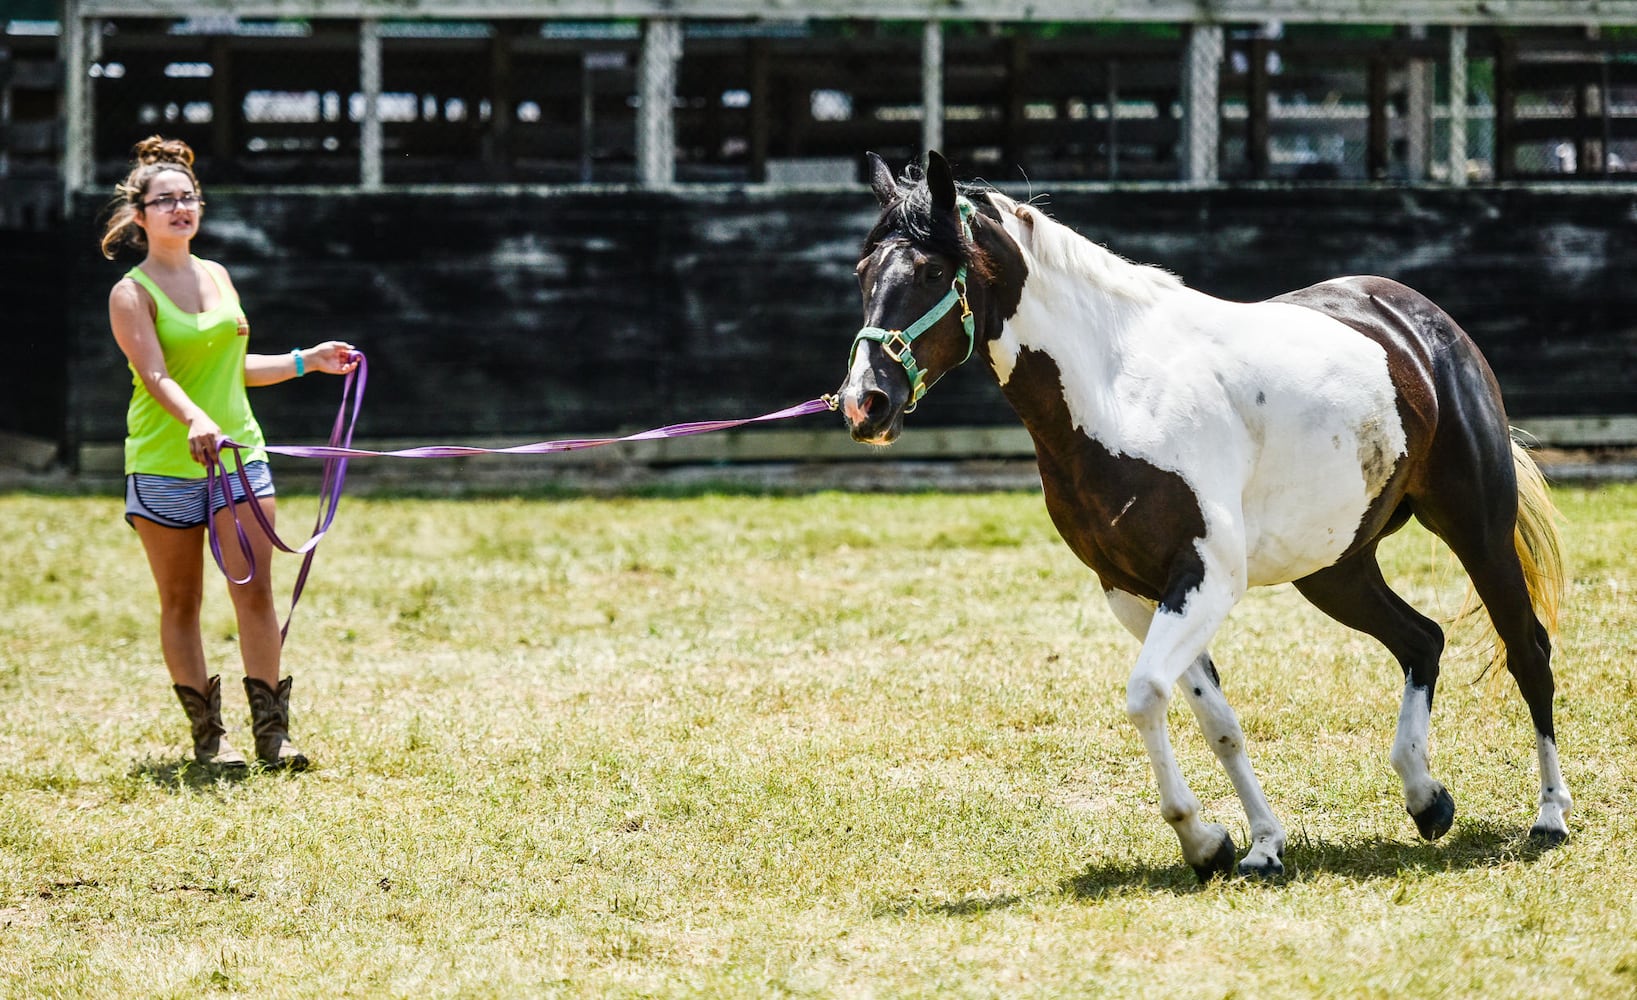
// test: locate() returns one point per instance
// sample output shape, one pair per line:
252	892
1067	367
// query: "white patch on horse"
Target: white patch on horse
1289	411
1410	751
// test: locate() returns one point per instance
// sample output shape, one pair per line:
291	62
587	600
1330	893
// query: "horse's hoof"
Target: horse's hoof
1435	820
1547	836
1220	863
1271	868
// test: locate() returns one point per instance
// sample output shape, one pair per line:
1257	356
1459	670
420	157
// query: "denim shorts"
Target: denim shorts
180	503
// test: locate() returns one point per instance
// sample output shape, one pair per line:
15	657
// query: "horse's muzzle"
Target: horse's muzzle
871	416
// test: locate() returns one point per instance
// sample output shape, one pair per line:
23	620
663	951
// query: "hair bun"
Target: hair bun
158	149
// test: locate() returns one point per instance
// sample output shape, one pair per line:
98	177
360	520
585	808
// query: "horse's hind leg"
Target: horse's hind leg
1490	558
1354	593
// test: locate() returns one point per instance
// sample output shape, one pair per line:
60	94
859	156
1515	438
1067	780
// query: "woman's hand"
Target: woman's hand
202	437
335	357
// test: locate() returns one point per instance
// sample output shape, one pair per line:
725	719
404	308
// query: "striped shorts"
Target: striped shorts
180	503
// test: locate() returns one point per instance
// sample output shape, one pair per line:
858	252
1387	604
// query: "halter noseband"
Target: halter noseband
897	342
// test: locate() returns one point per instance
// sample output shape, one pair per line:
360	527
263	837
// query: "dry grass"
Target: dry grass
828	745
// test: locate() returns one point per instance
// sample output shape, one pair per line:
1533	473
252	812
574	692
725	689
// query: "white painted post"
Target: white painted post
1457	106
1201	111
78	164
656	83
1418	118
369	126
932	86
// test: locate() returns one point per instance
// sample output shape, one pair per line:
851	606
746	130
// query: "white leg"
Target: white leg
1217	721
1551	823
1428	802
1174	640
1221	728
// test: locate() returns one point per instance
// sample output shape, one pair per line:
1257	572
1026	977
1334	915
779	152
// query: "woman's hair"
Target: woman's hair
149	158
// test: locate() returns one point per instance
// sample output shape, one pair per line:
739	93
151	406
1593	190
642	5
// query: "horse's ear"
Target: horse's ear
881	180
940	181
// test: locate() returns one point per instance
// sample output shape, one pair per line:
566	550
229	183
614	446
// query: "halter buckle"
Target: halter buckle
895	344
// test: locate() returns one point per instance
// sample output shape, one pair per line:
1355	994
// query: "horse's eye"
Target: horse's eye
934	272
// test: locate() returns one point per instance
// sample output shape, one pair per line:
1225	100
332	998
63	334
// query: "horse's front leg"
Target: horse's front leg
1177	636
1203	690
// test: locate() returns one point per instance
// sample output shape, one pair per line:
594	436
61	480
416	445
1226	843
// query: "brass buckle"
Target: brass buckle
895	345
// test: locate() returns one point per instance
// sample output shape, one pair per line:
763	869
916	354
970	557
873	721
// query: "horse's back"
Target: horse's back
1443	382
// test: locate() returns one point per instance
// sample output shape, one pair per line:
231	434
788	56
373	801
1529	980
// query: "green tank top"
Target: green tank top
204	353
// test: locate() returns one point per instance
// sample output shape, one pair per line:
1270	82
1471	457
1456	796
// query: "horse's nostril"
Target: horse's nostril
873	401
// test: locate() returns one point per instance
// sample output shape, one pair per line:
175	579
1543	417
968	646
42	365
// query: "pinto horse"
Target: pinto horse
1191	448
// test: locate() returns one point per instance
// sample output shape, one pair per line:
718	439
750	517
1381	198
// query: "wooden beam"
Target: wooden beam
1201	105
78	156
1468	12
1457	107
656	83
369	81
932	86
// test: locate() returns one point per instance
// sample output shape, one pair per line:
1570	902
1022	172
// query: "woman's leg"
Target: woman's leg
259	639
176	557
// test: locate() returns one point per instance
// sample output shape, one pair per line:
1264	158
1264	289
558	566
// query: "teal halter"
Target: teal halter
897	342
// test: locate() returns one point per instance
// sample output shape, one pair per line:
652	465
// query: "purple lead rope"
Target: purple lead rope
336	454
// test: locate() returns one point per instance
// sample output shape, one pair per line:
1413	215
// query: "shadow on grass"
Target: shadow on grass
184	774
1473	844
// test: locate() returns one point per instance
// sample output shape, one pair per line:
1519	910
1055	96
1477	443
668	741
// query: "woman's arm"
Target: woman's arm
333	357
133	328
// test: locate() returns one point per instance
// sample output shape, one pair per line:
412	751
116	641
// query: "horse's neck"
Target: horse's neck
1086	309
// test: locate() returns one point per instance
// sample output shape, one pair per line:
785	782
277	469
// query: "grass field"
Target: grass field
827	745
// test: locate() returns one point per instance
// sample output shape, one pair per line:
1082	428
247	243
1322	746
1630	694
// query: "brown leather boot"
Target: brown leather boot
270	721
210	745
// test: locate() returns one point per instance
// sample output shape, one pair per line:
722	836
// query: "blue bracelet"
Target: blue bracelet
301	366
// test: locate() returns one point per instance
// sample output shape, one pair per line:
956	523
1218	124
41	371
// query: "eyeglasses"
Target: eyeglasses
169	202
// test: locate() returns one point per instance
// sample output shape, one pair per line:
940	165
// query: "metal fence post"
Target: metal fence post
932	85
656	128
1201	111
1457	107
369	124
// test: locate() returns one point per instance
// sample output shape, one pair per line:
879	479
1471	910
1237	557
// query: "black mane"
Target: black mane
910	217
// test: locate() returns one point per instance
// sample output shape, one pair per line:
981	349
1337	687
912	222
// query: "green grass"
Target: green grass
824	745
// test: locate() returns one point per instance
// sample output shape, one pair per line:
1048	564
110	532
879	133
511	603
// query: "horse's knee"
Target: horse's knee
1145	699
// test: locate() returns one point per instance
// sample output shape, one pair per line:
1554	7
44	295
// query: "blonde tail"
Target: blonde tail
1539	551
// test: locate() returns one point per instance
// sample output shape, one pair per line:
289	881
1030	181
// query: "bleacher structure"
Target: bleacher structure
666	92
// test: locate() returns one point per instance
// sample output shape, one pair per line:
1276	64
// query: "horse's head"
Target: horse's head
913	276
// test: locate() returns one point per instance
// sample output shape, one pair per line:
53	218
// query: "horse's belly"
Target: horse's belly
1308	516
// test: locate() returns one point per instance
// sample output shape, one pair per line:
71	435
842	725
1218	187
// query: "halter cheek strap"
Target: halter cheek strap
897	343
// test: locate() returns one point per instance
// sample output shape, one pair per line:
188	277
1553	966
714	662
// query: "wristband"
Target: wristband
301	366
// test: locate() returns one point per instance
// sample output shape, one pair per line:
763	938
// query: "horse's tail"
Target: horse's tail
1539	551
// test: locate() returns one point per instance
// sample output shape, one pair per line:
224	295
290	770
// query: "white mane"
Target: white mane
1055	247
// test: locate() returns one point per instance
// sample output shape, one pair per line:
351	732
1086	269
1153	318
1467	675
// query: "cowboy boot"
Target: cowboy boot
210	745
270	721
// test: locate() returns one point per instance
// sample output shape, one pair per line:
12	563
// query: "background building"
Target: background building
525	175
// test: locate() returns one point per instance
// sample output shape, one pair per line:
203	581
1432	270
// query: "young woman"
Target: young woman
177	318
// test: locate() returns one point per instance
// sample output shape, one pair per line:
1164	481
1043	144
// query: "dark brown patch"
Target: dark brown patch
1136	525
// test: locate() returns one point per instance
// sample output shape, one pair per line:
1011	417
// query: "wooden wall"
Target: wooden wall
528	313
